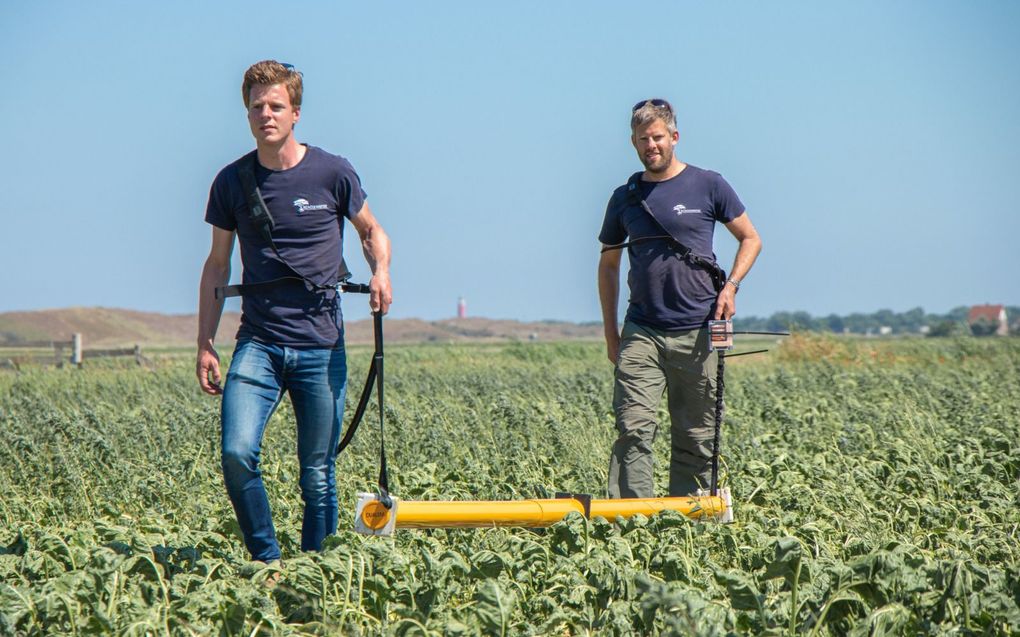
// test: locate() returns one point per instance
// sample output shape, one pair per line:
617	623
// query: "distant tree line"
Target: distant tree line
915	321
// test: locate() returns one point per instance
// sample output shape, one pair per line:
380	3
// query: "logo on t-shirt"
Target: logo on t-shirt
302	205
684	210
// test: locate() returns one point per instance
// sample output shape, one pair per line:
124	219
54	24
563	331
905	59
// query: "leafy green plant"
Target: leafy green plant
874	484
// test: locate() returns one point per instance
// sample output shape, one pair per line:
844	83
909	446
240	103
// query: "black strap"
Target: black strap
254	289
258	211
720	387
262	219
375	377
627	244
377	359
708	264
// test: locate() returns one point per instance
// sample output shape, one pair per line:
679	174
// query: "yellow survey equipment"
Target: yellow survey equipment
374	518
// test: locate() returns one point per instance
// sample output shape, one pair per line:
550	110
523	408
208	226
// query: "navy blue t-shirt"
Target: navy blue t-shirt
308	203
667	292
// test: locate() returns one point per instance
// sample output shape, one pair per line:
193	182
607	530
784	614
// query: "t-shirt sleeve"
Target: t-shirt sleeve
725	201
218	211
612	231
350	195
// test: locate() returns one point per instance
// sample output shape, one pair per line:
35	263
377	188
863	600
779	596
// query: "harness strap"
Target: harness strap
634	198
262	219
254	289
257	209
627	244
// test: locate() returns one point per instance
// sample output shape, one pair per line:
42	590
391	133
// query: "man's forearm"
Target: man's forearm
210	309
609	297
376	246
747	251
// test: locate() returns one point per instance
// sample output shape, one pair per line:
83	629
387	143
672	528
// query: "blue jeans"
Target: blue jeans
316	380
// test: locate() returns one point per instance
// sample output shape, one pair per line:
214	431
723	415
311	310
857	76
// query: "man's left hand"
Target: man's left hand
380	293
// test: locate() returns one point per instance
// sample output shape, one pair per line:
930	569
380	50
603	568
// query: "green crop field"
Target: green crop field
875	484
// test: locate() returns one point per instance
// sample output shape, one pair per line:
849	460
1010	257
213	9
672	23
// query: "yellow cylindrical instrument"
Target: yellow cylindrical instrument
374	518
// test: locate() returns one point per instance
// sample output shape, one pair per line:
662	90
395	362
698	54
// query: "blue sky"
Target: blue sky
876	145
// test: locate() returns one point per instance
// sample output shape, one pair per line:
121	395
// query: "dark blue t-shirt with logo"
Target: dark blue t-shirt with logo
308	203
667	292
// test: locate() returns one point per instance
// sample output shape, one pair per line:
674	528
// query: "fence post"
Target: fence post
76	349
138	354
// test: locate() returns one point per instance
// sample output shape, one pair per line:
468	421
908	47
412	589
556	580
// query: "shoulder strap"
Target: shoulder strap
634	198
634	190
258	211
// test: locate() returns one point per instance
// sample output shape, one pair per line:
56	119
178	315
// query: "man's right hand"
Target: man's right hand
613	347
609	295
208	370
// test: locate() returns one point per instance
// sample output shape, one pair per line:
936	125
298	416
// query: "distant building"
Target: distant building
461	308
985	320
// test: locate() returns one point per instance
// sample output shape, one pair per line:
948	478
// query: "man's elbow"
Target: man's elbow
374	239
372	234
608	273
751	241
216	269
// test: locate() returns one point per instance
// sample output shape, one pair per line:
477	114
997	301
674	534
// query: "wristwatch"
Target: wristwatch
736	284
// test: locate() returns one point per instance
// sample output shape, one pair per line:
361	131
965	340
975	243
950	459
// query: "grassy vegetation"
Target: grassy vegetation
876	488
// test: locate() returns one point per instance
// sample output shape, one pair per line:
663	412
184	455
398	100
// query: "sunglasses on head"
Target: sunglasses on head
659	103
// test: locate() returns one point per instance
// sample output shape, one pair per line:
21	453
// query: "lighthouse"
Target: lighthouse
461	308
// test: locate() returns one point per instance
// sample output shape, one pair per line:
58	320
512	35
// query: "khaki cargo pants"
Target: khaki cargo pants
651	361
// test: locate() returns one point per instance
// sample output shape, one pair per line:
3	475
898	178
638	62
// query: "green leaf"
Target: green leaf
493	607
486	564
744	595
786	561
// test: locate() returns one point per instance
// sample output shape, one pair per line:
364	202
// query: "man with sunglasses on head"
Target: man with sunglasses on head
665	217
291	336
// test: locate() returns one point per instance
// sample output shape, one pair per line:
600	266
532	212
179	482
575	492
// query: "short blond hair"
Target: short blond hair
271	72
